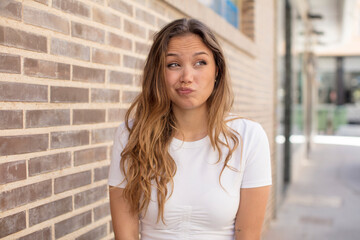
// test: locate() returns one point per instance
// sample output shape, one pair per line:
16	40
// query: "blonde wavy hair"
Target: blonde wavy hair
145	160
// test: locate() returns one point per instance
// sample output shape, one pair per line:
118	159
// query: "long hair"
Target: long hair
145	160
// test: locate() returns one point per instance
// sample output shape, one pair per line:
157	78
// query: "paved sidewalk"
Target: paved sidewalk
349	130
324	202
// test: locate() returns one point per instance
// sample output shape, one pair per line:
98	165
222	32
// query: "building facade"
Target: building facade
69	69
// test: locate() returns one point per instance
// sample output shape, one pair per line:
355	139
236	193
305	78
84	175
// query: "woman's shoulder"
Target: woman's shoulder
124	127
251	132
241	124
122	131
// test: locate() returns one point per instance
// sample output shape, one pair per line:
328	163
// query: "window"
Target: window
239	13
228	9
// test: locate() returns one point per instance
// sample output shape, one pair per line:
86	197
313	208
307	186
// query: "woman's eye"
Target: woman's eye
172	65
202	62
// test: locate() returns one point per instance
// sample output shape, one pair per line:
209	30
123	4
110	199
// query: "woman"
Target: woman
182	162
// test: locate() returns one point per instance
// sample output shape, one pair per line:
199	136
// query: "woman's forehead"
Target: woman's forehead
187	43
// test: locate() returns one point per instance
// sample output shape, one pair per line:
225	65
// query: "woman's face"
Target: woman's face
190	72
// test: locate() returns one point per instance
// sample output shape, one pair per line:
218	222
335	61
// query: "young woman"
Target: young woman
181	161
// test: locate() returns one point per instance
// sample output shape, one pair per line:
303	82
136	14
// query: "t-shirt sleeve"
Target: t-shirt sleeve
116	176
257	170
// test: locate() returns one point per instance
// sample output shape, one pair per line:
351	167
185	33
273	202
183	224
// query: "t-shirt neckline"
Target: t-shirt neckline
193	144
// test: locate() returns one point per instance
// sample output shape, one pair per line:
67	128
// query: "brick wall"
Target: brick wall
253	79
247	18
69	69
266	94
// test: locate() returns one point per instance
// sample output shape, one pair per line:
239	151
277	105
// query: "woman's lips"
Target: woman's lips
184	91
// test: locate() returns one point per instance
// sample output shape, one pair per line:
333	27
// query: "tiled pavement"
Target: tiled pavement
324	202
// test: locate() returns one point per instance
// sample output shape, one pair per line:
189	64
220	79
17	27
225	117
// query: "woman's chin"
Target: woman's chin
189	107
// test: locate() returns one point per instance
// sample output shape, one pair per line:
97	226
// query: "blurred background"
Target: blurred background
69	70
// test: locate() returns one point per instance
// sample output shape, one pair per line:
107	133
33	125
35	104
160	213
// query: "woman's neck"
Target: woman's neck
192	124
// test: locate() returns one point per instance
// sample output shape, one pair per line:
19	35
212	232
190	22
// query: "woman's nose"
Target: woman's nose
187	75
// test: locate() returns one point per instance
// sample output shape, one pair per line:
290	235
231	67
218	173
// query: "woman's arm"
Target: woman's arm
250	216
125	224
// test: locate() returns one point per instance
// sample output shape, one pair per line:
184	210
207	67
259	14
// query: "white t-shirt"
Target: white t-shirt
200	208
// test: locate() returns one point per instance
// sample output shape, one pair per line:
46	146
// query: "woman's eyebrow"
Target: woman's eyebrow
172	54
195	54
200	53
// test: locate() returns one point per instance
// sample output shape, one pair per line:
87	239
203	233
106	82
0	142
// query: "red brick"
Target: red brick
10	9
134	29
104	95
151	34
129	96
19	39
85	74
121	6
46	2
249	21
49	210
12	171
105	57
46	69
161	23
72	224
97	233
138	80
156	6
106	18
101	211
47	118
87	32
24	195
12	224
90	196
111	227
116	114
89	155
43	234
145	17
11	145
88	116
72	181
73	7
22	92
120	78
70	49
119	41
11	119
247	18
45	20
133	62
247	4
248	10
101	173
49	163
69	139
102	135
98	1
10	63
141	2
248	28
142	48
69	94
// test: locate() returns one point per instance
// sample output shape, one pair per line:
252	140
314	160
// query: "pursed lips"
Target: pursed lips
184	91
